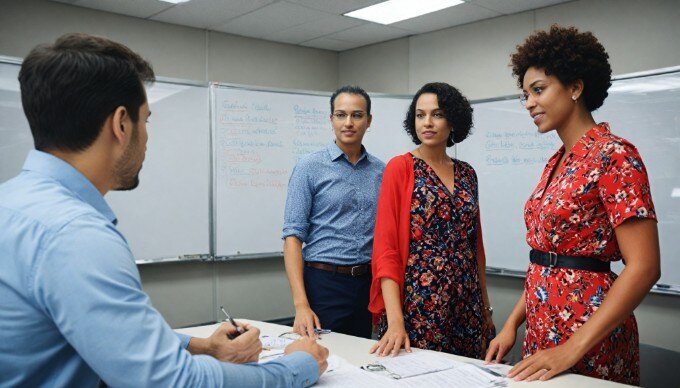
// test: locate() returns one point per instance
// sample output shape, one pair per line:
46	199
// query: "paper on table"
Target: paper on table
415	363
273	347
463	376
341	373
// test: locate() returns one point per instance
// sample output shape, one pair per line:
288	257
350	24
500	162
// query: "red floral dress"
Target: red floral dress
602	183
442	294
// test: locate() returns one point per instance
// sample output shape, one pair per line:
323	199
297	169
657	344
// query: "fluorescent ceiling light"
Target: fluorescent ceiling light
174	1
393	11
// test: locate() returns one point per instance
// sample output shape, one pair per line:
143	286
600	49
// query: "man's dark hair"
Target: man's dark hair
69	88
456	107
569	55
351	89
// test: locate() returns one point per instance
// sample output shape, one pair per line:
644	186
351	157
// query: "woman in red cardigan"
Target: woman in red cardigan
429	286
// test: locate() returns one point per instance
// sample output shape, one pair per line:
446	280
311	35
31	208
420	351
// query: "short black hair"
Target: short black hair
69	88
351	89
456	107
569	55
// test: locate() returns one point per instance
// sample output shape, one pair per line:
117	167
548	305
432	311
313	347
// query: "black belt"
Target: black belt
354	271
552	259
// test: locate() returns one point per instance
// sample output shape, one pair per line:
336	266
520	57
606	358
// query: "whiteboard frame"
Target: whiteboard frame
213	190
169	259
659	288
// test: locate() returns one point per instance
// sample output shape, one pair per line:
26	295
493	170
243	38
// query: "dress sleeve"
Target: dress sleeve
386	261
624	185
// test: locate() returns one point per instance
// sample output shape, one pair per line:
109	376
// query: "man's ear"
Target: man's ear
121	124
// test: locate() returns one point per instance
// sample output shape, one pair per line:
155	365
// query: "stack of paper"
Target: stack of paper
273	347
413	364
434	370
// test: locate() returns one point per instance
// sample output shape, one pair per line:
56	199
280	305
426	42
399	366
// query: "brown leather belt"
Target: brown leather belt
354	271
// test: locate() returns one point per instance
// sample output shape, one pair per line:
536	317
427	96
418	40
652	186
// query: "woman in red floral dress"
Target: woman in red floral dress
591	206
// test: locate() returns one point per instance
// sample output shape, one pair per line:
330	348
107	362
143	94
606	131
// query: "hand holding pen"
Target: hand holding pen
239	329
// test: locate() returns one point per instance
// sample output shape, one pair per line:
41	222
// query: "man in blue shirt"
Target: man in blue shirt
73	310
331	206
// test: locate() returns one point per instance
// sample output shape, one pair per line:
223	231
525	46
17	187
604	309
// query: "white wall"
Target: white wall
638	35
174	51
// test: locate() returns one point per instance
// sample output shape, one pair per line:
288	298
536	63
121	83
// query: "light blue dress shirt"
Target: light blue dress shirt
331	206
72	306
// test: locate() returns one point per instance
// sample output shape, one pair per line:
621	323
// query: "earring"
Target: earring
574	98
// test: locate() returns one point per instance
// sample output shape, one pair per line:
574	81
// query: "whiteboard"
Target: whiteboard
258	137
509	156
167	216
15	134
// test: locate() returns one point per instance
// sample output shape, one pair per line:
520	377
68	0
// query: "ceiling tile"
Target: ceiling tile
314	29
335	6
369	33
445	18
330	44
137	8
509	7
209	13
271	19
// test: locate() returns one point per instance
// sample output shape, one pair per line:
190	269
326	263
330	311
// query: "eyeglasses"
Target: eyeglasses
342	116
534	92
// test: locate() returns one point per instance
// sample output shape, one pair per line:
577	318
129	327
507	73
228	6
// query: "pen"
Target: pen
239	330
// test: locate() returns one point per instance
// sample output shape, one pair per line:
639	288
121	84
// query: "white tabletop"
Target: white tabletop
355	350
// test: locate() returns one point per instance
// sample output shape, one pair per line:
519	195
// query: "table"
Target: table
355	350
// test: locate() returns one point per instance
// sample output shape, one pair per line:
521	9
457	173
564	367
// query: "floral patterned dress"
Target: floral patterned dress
442	294
602	183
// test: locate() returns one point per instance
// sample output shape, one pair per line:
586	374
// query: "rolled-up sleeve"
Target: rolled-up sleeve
184	340
298	204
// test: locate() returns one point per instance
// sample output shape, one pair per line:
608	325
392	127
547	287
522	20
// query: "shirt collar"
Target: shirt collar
335	152
53	167
585	143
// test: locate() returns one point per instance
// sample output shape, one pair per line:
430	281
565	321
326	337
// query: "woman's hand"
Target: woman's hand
546	363
392	341
501	345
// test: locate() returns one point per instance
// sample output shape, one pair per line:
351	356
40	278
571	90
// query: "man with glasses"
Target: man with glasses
331	206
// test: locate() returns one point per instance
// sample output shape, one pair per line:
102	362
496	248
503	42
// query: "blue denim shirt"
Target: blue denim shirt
73	310
331	206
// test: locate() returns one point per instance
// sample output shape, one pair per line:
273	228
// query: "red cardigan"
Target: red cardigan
392	228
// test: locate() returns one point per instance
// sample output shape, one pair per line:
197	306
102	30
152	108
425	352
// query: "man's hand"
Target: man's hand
309	345
244	348
306	321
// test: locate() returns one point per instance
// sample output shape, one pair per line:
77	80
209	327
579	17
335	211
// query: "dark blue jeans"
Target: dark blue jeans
340	301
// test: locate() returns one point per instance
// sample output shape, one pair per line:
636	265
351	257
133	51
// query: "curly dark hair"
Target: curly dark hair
456	108
569	55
